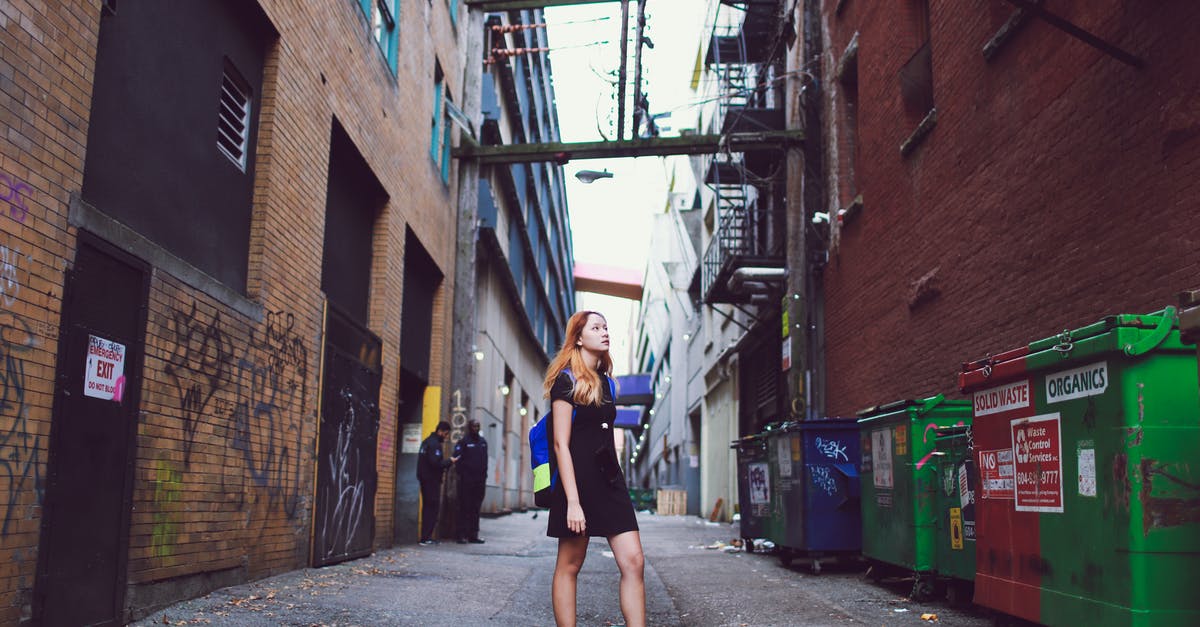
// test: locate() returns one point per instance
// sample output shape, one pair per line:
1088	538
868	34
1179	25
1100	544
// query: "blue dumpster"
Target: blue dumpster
815	491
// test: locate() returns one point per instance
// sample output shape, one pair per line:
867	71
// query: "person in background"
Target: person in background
430	468
472	454
591	498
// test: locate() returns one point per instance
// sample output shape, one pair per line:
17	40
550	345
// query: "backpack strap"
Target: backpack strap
612	388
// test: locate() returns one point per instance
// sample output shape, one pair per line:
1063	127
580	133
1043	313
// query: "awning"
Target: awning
634	389
629	417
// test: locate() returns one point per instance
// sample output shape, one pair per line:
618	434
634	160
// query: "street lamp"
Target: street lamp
589	176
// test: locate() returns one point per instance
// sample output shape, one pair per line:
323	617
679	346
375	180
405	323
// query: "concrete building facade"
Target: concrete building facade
525	285
721	337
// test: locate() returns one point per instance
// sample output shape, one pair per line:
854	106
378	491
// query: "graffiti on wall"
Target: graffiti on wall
271	393
345	490
198	367
168	482
14	192
259	391
20	448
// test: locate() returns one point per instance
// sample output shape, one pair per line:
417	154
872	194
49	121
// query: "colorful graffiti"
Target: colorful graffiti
11	190
168	485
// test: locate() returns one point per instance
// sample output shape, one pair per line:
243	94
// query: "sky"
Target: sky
611	218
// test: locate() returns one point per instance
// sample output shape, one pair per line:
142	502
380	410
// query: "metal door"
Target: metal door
84	544
344	527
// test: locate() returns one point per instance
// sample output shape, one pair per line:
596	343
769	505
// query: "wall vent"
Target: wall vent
233	117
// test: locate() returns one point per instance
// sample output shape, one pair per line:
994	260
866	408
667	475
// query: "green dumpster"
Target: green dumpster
899	484
754	487
955	539
1088	445
774	519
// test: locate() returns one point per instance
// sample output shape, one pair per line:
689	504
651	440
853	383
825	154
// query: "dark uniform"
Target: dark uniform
430	464
472	455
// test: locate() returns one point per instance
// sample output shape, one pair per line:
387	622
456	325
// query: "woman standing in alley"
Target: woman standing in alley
591	498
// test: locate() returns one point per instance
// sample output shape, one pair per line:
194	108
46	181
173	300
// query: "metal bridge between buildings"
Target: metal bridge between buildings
562	152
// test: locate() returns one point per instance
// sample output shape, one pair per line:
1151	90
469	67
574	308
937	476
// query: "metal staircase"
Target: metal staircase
740	237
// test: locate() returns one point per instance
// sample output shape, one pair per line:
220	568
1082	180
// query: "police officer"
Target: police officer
430	468
472	482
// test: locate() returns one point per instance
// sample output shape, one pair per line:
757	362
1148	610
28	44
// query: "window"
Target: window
446	142
382	17
435	133
233	117
439	133
916	76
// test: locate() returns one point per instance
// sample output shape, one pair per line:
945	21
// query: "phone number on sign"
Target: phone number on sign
1036	477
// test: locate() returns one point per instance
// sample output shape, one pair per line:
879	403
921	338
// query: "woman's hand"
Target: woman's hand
575	520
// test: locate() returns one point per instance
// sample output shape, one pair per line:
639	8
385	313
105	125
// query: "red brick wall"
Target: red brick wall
1057	187
218	486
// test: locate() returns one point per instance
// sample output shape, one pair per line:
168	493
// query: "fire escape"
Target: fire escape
748	186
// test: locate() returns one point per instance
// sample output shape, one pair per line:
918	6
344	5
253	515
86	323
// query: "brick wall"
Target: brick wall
1056	188
45	73
226	439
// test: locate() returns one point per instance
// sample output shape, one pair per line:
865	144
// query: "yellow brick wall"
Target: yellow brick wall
227	434
45	73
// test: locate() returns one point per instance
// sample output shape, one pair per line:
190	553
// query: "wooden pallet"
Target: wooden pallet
672	502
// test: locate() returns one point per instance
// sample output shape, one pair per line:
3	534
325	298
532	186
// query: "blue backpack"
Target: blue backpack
541	460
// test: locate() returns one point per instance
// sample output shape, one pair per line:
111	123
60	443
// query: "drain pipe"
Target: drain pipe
755	279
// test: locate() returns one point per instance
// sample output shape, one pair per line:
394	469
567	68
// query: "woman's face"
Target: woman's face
594	336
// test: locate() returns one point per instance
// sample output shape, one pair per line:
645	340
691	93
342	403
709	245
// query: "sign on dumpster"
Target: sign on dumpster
996	473
1089	380
104	375
760	489
881	458
1037	462
1003	398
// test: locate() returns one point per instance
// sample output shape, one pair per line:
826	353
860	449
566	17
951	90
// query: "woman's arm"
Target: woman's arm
561	412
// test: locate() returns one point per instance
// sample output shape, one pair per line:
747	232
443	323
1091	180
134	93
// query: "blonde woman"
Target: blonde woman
591	498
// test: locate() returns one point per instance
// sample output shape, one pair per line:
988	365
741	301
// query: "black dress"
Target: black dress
607	509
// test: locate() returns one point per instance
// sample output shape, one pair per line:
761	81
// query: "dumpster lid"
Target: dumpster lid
829	421
921	406
951	431
1007	364
754	438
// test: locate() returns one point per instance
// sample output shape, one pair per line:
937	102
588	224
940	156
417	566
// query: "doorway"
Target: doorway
84	544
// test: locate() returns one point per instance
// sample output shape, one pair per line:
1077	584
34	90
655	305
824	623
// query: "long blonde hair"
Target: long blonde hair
588	390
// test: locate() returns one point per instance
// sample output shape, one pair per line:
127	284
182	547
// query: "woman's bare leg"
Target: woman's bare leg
627	549
571	553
